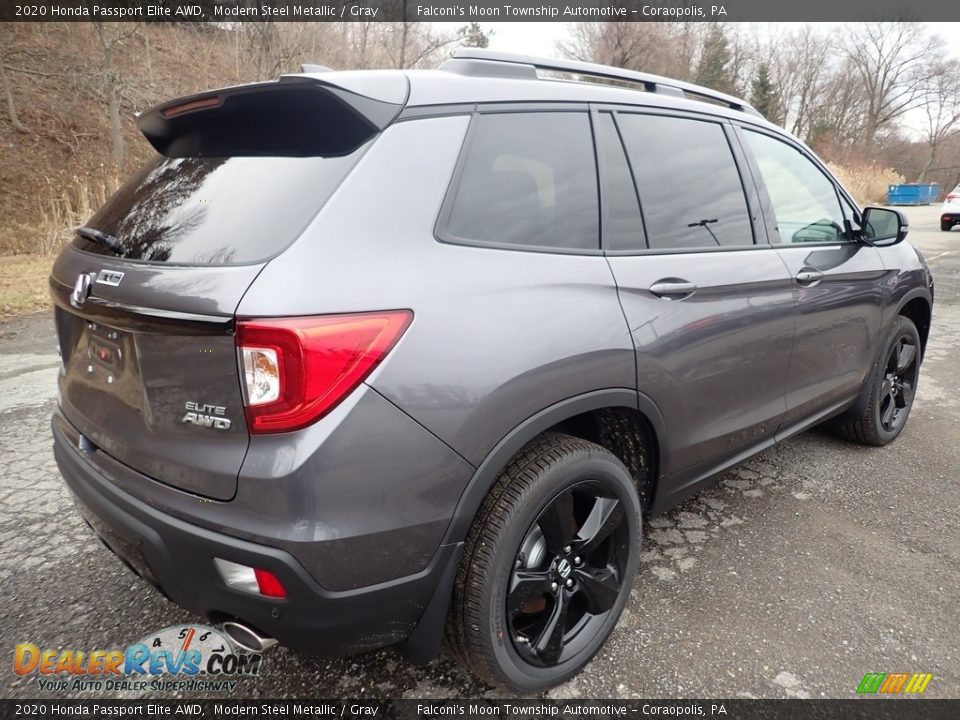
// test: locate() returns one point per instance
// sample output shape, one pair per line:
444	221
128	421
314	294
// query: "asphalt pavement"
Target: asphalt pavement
797	573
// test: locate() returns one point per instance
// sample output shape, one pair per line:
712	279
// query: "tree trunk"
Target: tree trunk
11	106
149	55
931	156
111	83
404	33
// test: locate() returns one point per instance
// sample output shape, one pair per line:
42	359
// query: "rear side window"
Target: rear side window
690	189
527	180
217	211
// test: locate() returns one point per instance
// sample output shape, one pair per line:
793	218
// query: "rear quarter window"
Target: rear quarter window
217	210
527	180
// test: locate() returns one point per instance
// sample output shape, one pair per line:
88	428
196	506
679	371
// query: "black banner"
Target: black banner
738	709
478	10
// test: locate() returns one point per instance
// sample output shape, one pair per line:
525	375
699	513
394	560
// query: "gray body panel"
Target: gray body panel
168	330
839	323
714	362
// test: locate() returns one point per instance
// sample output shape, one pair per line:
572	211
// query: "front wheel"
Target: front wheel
946	226
892	386
547	565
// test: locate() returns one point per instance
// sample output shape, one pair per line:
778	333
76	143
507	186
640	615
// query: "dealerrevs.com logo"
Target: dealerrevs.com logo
180	657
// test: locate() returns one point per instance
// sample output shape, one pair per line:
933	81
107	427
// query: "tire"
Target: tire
516	543
946	226
880	422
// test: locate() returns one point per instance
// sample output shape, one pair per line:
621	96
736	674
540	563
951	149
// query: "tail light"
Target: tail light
296	370
951	197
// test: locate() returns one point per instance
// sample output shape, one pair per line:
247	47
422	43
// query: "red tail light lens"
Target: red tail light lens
297	369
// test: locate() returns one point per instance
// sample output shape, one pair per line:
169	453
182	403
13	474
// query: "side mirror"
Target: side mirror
882	224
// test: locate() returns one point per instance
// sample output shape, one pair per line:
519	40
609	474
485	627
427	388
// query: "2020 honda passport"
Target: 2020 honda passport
372	358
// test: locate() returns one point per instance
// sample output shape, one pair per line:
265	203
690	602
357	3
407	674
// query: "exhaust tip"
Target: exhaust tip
248	638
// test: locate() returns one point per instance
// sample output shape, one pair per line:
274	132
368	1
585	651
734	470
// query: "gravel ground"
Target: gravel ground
797	573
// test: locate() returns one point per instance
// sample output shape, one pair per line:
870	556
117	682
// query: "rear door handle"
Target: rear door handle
809	276
673	290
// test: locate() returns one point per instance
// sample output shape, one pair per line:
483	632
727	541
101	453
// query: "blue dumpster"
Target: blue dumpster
913	194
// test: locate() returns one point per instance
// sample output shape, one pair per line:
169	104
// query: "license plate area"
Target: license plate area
106	347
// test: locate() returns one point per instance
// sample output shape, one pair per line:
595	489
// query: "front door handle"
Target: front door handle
673	290
809	276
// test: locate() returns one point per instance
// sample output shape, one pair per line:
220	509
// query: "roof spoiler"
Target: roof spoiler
295	116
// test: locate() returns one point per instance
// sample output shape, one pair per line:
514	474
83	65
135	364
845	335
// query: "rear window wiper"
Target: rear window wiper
108	241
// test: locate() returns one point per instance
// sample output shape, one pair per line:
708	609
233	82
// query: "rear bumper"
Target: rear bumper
177	557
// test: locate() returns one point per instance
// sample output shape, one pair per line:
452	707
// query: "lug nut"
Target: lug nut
554	586
578	560
569	582
567	549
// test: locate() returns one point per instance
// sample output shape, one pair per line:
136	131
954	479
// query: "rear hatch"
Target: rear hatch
146	327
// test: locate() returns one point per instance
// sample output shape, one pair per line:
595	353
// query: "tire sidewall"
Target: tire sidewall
614	477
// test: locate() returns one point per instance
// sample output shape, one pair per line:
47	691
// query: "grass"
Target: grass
23	283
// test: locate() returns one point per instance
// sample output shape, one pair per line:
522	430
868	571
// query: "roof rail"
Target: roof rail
491	63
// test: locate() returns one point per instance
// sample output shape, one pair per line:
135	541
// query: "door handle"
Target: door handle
673	290
809	276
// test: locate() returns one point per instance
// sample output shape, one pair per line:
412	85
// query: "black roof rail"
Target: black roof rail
491	63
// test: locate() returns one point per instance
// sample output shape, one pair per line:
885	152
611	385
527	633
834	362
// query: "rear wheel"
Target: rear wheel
946	226
892	386
547	565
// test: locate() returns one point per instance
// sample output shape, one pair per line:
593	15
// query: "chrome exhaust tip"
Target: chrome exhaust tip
247	638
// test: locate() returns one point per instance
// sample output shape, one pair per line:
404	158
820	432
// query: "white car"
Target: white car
950	214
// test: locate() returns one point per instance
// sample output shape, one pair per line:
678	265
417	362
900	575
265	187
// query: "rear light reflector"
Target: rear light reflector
295	370
249	579
268	584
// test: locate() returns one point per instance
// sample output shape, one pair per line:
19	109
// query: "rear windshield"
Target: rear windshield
217	211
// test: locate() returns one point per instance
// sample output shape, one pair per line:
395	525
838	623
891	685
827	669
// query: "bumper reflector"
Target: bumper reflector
248	579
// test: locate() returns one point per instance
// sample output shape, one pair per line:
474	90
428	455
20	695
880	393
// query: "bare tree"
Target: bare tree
800	69
891	61
413	44
111	87
660	48
941	105
836	114
276	47
8	95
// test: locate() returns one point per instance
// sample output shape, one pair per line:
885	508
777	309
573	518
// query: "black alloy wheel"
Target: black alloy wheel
567	575
899	383
881	412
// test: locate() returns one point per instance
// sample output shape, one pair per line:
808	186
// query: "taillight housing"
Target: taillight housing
295	370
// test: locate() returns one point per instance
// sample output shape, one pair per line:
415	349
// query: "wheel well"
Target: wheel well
918	310
627	434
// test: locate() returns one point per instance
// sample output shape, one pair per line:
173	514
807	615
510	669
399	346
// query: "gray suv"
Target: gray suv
373	358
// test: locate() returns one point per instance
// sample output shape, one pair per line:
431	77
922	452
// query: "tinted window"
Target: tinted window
528	179
217	211
804	199
622	225
689	186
